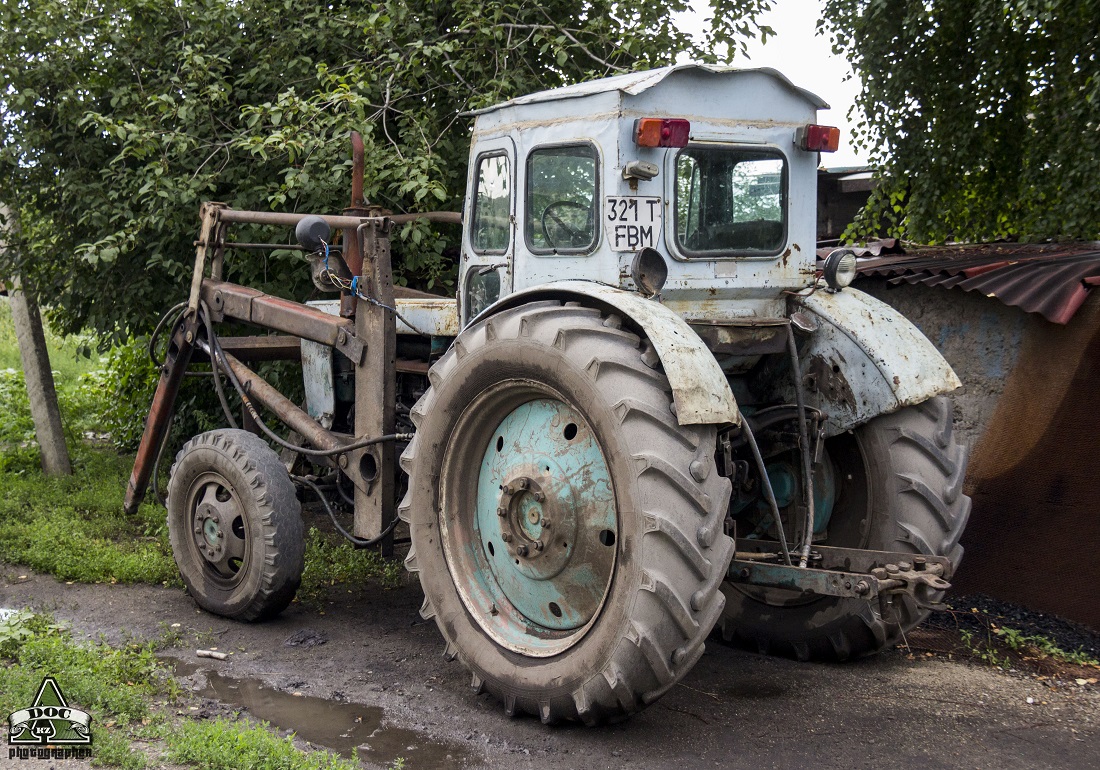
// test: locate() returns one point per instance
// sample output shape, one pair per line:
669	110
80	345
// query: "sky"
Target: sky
806	59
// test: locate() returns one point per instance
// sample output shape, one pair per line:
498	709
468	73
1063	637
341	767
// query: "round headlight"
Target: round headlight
840	268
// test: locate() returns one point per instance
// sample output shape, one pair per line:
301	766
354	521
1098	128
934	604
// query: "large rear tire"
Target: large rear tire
900	480
566	530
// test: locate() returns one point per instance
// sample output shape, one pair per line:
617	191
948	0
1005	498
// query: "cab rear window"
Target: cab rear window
730	201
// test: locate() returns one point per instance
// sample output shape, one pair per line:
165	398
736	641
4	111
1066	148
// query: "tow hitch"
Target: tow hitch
843	572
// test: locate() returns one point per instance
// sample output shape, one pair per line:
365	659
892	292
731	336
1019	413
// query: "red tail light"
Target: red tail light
661	132
817	138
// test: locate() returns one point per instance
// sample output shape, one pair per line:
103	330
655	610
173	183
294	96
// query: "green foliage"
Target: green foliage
331	560
222	744
121	392
19	452
122	115
1041	646
114	685
984	117
73	527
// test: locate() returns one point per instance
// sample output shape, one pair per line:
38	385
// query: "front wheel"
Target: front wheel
235	525
566	530
899	488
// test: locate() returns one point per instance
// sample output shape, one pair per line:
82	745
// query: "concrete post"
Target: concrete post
39	379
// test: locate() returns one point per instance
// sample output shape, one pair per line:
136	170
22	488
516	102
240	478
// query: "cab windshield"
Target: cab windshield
730	201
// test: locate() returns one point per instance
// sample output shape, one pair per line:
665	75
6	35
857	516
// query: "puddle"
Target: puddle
331	724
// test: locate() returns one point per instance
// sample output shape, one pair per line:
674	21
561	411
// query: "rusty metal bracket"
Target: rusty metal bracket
843	572
160	413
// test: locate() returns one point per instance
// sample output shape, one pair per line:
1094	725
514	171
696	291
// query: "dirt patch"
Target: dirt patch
734	710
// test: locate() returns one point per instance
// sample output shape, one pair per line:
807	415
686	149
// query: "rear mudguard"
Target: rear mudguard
867	359
699	387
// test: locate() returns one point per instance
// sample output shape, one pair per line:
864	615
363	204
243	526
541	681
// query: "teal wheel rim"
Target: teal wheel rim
534	553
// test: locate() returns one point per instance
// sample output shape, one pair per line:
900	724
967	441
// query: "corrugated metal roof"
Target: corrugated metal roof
1052	280
634	83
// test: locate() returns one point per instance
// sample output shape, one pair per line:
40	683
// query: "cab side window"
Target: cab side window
491	229
561	199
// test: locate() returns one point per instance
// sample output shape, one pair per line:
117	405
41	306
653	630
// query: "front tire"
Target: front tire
235	525
901	478
550	413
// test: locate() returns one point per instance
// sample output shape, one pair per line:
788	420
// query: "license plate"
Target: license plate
632	222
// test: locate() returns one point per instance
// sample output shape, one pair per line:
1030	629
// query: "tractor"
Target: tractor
648	412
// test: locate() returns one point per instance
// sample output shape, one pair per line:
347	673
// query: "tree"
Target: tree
983	117
119	118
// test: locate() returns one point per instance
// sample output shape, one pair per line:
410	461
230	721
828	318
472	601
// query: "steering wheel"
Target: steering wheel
576	237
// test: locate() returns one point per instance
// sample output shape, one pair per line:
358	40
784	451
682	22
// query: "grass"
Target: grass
73	527
131	696
223	745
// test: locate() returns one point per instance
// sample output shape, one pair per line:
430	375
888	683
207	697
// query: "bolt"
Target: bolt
920	562
522	550
521	483
220	534
189	337
539	497
892	569
745	573
847	585
546	523
862	588
904	566
342	337
538	545
505	537
502	511
343	461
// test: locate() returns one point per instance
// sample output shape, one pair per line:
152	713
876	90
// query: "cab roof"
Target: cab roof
634	83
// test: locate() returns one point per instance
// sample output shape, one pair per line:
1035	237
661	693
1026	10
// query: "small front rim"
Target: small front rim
218	530
530	522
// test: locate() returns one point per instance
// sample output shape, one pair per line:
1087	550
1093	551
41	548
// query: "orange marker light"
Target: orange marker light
817	138
661	132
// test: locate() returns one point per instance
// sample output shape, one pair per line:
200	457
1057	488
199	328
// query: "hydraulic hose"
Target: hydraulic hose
356	541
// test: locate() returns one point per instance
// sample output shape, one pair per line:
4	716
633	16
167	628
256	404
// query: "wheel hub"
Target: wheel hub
535	514
217	526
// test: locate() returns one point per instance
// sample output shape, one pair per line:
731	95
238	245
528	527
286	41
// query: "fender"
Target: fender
699	387
867	359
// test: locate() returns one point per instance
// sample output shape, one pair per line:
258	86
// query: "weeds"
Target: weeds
224	745
73	527
331	560
1034	645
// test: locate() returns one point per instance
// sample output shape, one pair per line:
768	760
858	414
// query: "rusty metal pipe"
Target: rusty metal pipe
337	222
357	171
286	410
